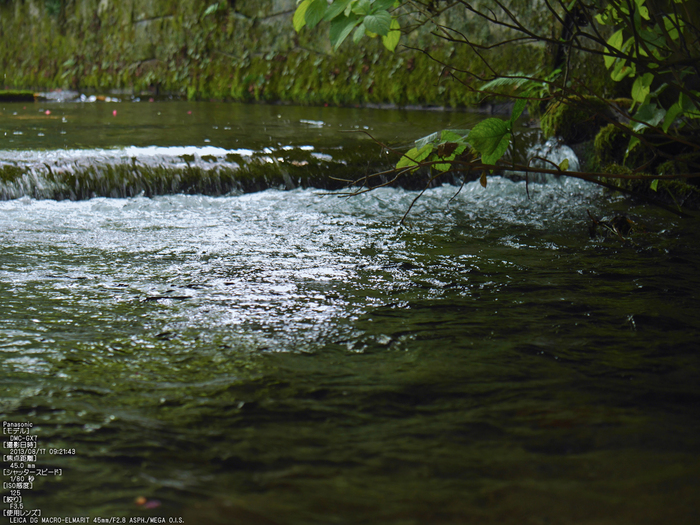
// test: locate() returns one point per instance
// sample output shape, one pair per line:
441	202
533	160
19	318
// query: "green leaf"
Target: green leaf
648	115
498	152
448	135
359	33
518	109
379	22
335	9
564	165
407	160
672	24
690	109
644	12
315	11
491	138
423	153
299	19
391	40
443	166
383	5
498	82
654	184
621	70
341	27
414	156
441	137
671	115
654	40
362	7
641	87
461	132
631	145
614	43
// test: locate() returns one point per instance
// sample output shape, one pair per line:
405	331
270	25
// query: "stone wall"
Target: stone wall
246	51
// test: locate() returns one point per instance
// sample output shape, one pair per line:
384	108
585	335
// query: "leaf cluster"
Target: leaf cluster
653	50
360	17
489	139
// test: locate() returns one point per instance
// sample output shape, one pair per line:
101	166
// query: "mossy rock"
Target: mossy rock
674	192
16	96
680	165
578	119
610	145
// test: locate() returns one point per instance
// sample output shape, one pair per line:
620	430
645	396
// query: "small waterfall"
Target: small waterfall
550	155
149	171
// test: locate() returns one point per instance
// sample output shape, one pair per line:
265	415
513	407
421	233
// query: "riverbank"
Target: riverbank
241	51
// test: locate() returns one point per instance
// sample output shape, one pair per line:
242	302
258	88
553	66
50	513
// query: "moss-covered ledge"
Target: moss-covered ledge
16	96
244	51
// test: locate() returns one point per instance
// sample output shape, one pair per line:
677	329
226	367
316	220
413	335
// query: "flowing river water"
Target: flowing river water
292	357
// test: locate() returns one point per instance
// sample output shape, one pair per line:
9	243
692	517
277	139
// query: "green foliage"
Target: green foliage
490	138
652	48
536	88
655	51
363	17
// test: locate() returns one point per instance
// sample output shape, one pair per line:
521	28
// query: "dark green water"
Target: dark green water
292	357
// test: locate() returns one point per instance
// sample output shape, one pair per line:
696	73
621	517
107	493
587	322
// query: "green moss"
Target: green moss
679	165
575	119
672	192
610	144
171	48
16	96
